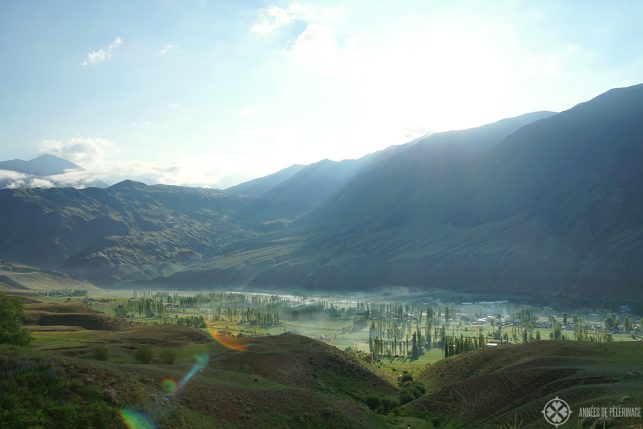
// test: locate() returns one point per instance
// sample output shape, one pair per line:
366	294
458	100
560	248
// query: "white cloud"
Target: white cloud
271	18
102	54
167	48
87	152
14	180
315	45
98	157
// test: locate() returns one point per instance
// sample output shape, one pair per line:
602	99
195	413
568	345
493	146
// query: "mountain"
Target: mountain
305	254
129	231
44	165
553	205
542	202
304	190
258	187
45	171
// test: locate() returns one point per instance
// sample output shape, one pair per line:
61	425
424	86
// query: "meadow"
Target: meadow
148	359
412	334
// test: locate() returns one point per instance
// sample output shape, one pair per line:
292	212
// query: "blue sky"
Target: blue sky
211	93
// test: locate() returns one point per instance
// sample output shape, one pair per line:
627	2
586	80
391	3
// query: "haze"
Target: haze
213	93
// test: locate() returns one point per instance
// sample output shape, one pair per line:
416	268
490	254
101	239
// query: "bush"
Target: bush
11	329
410	390
144	355
372	401
404	378
36	394
387	403
167	356
405	395
420	386
100	352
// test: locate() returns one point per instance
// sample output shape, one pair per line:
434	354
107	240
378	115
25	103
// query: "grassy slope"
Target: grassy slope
279	381
15	277
291	380
491	387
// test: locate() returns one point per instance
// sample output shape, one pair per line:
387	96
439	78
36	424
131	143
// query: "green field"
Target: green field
319	374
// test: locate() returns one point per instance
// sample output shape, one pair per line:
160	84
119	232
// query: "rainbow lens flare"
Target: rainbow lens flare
226	341
201	362
136	420
168	384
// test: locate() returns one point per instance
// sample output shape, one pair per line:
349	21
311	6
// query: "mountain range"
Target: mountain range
545	201
43	165
43	171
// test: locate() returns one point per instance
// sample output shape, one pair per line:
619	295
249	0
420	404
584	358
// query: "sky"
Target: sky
212	93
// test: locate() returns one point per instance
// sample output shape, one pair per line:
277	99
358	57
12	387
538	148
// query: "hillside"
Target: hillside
193	380
258	187
305	189
22	278
285	381
511	384
553	204
541	202
128	231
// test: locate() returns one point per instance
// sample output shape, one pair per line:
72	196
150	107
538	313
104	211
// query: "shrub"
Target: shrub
11	329
387	403
100	352
144	355
411	390
405	395
372	401
36	394
167	356
404	378
420	386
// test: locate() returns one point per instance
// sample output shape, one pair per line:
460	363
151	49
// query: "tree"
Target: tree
611	322
557	332
11	329
167	356
100	352
144	355
372	401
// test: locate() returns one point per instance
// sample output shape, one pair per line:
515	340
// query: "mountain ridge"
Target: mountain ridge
544	201
43	165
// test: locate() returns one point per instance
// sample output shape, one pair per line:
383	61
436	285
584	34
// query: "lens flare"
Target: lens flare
168	384
201	362
136	420
226	341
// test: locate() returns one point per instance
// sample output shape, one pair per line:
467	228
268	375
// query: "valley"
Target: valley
305	214
130	349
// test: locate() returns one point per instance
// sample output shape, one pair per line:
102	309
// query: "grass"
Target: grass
295	381
236	389
487	388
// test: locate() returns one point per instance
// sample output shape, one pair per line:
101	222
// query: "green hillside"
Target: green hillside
490	388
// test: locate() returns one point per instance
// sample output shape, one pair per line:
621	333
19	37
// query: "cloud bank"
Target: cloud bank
101	166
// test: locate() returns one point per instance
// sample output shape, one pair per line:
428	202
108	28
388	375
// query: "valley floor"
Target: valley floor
87	368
